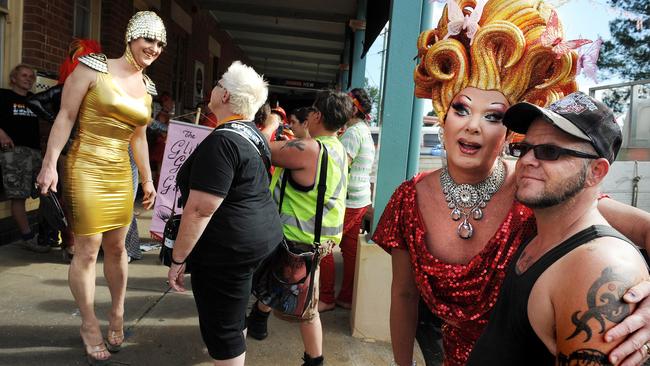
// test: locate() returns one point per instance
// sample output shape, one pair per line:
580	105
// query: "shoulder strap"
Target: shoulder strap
320	198
150	85
283	186
96	61
578	239
252	137
322	187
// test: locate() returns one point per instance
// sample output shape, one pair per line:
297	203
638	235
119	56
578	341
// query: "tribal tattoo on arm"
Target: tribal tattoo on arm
585	356
604	302
298	144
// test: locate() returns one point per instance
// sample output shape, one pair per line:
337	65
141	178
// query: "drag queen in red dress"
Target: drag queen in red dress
453	232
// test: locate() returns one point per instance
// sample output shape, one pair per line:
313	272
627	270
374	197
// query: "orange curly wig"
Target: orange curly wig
505	55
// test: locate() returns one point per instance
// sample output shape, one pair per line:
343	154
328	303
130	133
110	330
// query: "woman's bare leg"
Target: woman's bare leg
237	361
81	278
116	271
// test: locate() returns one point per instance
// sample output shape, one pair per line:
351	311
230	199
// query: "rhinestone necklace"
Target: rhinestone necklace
467	200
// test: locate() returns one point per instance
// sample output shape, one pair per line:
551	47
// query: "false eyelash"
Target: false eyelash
458	106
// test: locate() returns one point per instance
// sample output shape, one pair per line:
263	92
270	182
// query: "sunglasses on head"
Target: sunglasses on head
545	151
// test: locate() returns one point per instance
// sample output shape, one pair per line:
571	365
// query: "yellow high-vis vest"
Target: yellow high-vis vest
298	213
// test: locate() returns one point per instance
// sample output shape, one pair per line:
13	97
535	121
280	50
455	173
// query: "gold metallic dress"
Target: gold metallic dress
98	185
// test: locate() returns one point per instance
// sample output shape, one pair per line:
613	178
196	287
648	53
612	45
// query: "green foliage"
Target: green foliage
373	92
617	99
627	53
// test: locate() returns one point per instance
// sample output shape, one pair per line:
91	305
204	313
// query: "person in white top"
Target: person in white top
360	149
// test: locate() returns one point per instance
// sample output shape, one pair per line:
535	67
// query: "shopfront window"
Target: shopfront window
81	19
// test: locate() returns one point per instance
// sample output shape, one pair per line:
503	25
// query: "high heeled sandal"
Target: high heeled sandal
95	350
114	340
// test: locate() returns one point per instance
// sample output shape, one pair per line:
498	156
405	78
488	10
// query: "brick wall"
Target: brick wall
163	71
48	28
47	31
115	17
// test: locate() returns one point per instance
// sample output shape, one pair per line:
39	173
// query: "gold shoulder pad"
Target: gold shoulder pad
96	61
149	84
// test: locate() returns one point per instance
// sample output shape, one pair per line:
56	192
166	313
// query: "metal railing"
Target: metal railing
627	99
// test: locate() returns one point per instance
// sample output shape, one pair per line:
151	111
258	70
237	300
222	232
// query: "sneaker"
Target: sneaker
32	244
257	323
309	361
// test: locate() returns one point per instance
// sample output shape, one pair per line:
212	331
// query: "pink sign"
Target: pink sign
182	139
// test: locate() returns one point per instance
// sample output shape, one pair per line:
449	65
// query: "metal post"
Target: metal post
380	104
345	71
397	113
419	105
358	63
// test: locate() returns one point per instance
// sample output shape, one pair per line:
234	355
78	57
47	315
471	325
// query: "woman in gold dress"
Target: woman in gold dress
111	100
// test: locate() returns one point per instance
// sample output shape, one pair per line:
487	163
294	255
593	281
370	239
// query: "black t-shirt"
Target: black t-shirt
246	226
17	120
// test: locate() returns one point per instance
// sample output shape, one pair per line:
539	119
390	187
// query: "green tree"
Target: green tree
373	92
627	53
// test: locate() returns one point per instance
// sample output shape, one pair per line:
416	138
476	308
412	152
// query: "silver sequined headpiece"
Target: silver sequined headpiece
146	24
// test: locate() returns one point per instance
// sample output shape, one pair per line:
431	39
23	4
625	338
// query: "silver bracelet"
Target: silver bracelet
393	363
146	181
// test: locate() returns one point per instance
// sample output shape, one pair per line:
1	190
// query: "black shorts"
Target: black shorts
221	293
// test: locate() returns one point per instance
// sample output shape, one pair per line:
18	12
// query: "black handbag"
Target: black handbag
46	104
50	209
285	280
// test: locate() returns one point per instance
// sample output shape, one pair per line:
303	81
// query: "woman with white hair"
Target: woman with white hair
230	222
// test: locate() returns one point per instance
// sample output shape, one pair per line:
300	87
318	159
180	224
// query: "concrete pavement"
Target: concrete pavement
39	321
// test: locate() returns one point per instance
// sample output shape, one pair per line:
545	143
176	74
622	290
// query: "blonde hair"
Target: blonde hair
505	55
248	90
14	72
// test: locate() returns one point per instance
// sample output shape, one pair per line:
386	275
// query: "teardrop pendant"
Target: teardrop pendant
477	214
455	214
465	230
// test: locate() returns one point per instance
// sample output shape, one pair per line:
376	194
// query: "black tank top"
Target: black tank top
509	339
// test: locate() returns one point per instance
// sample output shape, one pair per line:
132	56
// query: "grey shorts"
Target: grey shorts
19	168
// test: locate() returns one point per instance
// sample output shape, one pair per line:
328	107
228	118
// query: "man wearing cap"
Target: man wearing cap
565	287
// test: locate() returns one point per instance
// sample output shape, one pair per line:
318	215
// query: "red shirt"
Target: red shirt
462	295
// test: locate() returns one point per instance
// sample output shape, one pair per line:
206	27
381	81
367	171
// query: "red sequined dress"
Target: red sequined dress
462	295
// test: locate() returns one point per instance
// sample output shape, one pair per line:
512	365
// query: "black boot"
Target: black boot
316	361
256	322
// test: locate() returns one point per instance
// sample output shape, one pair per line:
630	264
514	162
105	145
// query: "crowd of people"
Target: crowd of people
486	243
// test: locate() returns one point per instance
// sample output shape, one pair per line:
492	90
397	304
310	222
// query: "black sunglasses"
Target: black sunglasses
545	151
